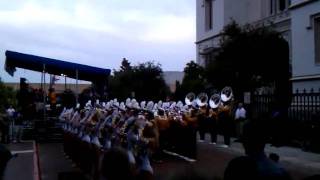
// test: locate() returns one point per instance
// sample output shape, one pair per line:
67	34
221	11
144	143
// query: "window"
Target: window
208	14
282	5
276	6
271	5
317	40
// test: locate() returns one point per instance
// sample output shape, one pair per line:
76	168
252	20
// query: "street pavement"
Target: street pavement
211	162
54	165
213	159
20	167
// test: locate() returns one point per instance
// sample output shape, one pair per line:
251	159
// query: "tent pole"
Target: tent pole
77	90
41	85
65	82
44	91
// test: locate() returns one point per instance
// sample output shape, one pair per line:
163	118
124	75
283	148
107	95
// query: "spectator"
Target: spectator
5	156
115	165
241	168
11	116
274	157
18	129
4	129
254	140
240	118
10	111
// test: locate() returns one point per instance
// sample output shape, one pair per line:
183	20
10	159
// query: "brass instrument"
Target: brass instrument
215	101
202	99
190	98
226	94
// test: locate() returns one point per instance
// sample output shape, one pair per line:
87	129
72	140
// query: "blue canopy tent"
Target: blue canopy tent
53	66
98	76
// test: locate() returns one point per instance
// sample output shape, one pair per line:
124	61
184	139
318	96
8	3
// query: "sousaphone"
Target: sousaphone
190	97
215	101
202	99
226	94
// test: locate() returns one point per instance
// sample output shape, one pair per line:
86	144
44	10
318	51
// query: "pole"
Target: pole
65	82
44	91
77	90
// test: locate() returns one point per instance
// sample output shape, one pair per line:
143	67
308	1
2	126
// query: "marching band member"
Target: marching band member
225	122
146	129
212	125
202	120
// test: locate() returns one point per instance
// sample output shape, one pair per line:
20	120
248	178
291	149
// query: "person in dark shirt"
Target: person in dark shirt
254	140
5	156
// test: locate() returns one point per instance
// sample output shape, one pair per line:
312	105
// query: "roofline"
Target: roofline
298	5
208	38
305	77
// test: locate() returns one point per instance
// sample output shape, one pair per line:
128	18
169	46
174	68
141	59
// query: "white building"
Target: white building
297	20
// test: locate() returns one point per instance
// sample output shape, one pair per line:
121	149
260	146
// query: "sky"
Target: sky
98	32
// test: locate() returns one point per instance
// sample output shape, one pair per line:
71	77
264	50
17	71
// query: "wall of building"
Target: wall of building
217	21
242	11
303	46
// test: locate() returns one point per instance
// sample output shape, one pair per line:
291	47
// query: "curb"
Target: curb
36	167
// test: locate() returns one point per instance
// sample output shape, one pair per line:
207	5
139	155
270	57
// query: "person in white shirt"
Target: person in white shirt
240	119
10	114
10	111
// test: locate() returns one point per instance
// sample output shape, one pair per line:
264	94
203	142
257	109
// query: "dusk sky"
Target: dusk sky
99	32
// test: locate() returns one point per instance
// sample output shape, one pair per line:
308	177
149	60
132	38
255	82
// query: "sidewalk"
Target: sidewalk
297	162
22	166
54	165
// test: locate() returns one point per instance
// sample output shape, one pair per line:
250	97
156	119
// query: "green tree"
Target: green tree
7	96
144	81
250	58
193	80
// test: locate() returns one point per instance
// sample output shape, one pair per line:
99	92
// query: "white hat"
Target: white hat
129	105
165	105
128	100
194	104
133	100
143	104
179	104
150	105
115	104
135	105
88	103
122	106
173	105
155	107
184	108
107	106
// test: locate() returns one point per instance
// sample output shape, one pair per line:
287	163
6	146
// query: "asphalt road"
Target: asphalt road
20	167
213	159
210	164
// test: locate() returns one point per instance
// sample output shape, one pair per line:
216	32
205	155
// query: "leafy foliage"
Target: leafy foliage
143	81
250	58
7	97
193	80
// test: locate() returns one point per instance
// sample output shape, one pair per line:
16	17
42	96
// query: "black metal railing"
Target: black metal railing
303	122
